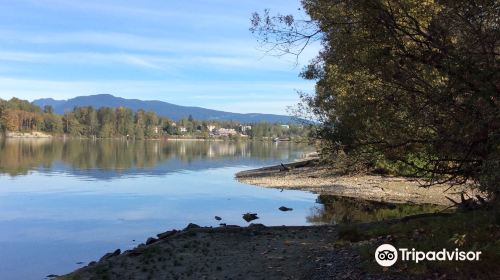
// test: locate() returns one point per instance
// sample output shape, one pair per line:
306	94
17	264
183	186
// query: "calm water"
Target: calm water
63	204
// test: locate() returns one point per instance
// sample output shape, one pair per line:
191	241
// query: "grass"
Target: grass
467	231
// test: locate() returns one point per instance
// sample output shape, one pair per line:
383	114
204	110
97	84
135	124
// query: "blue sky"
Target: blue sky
197	53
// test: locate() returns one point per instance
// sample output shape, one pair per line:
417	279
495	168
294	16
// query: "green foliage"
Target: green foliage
52	123
470	231
124	121
409	85
48	109
105	122
269	130
385	166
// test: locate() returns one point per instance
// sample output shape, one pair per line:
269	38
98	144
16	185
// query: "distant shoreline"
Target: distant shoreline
34	134
42	135
39	135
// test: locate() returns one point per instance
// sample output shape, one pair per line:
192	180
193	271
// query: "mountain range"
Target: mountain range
165	109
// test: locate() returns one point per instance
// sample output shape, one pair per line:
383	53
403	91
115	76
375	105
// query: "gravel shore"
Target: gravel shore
260	252
254	252
309	176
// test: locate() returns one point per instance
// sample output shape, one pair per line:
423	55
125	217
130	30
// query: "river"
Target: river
66	203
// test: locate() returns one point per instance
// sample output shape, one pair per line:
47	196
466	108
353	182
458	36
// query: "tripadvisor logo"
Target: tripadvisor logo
387	255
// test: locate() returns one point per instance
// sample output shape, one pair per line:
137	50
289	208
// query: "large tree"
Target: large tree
410	82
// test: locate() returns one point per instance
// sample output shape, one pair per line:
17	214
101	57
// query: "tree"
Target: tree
412	83
140	124
151	125
52	123
10	120
48	109
87	118
124	121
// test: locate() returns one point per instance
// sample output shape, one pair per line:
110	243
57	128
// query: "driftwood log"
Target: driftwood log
470	203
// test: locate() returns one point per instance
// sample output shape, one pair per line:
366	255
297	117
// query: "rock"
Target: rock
134	253
91	263
256	226
222	224
110	255
284	209
52	276
218	218
166	234
248	217
191	226
151	240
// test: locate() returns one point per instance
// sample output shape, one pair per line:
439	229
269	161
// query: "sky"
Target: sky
194	53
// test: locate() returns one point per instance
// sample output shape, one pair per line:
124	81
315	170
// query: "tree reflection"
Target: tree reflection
19	156
346	210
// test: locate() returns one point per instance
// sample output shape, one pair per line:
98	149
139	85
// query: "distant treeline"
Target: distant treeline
18	115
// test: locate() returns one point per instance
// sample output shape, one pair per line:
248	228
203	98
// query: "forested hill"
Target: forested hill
172	111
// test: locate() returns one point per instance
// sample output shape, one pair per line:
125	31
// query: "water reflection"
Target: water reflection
346	210
105	159
67	202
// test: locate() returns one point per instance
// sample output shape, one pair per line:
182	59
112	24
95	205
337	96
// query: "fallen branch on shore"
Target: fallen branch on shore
284	168
469	203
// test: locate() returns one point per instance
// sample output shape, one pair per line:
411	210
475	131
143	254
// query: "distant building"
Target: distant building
245	128
211	128
182	129
285	126
225	131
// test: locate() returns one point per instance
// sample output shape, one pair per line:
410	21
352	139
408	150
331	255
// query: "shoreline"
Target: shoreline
28	135
233	252
308	175
257	251
41	135
275	252
253	252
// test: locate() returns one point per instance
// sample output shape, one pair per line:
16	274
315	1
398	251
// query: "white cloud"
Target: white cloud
172	63
129	41
139	61
215	47
197	53
167	11
263	105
